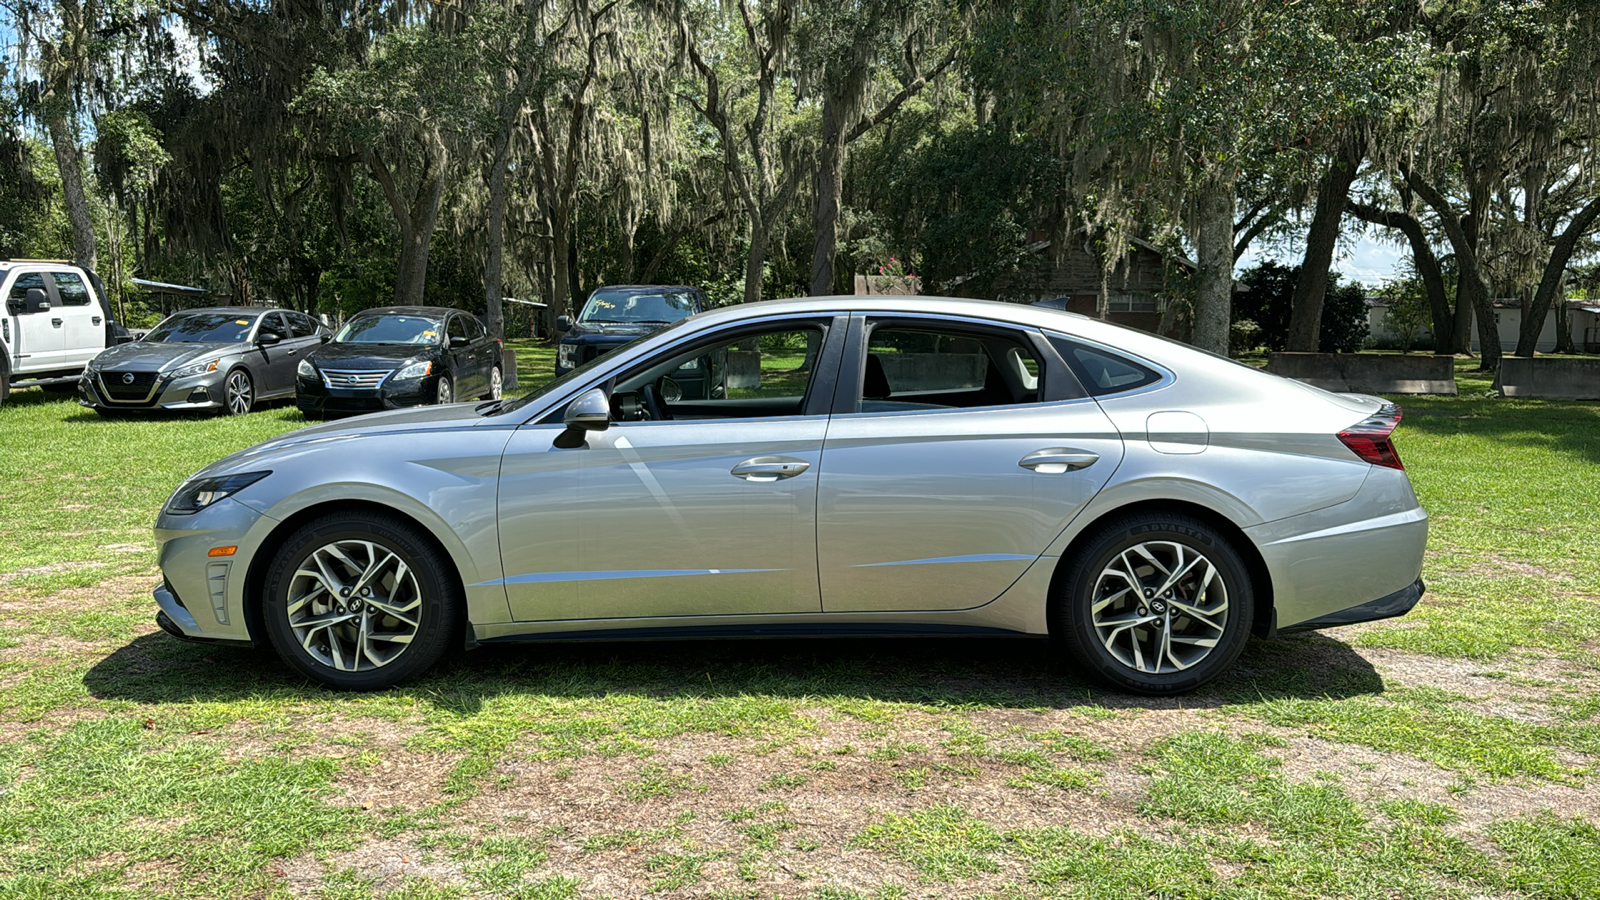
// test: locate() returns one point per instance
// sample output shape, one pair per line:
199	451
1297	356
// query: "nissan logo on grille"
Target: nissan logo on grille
127	378
352	379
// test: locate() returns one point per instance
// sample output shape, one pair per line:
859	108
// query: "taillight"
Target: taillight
1369	438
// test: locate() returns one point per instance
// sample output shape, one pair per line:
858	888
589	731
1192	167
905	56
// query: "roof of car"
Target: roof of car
646	287
227	310
428	311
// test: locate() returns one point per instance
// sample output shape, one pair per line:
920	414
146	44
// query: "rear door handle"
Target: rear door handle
96	320
769	468
56	322
1056	460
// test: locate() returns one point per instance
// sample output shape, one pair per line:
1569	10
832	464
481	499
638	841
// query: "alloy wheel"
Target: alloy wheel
444	394
354	605
239	393
496	383
1159	607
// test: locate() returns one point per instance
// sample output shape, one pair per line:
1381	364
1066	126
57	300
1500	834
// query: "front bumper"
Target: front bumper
203	391
200	595
316	399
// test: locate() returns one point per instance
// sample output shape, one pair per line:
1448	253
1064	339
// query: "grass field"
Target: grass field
1451	753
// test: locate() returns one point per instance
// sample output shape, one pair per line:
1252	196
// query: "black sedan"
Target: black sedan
400	356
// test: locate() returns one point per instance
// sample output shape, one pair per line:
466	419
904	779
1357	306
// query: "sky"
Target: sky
1359	257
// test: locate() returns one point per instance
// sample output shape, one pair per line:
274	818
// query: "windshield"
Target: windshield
389	330
641	306
203	328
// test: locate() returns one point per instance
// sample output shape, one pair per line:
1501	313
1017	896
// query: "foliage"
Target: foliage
1264	297
1407	313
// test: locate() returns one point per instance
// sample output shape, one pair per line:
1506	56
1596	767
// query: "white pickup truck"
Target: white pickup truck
56	319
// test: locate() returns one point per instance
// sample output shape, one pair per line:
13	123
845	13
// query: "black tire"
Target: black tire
443	391
1118	655
496	385
428	608
238	393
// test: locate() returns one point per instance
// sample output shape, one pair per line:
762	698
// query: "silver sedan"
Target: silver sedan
829	466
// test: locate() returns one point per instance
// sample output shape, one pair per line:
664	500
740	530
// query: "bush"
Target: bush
1267	293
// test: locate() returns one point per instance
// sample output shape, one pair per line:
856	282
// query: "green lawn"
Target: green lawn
1450	753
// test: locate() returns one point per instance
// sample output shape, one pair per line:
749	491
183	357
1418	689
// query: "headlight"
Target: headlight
197	369
564	353
415	370
199	493
306	370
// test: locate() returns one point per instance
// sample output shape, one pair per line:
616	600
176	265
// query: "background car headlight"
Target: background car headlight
307	370
199	493
196	369
415	370
564	354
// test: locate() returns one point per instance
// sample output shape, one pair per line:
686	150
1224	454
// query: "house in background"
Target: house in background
1583	316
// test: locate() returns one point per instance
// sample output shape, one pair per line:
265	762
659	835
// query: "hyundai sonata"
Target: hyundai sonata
866	466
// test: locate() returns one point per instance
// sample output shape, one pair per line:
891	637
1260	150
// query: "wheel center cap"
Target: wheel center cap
1157	607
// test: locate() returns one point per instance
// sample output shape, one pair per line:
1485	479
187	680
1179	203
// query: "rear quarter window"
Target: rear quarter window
1103	372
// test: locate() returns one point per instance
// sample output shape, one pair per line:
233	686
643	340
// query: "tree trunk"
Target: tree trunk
494	255
560	273
411	279
1564	327
1439	306
830	190
66	147
1213	308
1305	311
755	260
1554	271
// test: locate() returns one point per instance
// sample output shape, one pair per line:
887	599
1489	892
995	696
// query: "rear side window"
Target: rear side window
1101	371
70	288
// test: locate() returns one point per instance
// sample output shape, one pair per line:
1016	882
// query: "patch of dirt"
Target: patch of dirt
388	862
1503	687
81	599
50	569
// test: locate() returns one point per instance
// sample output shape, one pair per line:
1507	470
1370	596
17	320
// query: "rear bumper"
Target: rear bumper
1396	604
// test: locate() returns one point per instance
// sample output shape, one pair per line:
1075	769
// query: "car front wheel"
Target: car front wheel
360	601
1156	604
445	392
239	393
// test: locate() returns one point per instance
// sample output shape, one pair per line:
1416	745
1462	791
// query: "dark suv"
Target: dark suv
617	314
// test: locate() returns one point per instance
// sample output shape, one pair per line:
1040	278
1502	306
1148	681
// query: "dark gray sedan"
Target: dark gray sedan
225	358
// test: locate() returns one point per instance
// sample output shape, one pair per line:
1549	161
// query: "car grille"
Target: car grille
129	387
592	351
354	378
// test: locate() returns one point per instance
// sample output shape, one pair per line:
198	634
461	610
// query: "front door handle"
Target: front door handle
769	468
1056	460
56	322
96	320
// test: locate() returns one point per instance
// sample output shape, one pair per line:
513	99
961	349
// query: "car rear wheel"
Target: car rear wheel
1156	604
238	393
496	385
445	393
360	601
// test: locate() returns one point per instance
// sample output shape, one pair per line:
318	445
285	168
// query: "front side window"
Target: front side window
755	375
70	288
457	328
389	329
23	284
203	328
914	367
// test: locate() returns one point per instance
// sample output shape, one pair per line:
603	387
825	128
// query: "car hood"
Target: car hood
312	438
610	329
144	356
371	356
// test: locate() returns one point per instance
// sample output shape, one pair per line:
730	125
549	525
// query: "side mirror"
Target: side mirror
563	324
457	341
326	337
37	301
268	338
591	411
